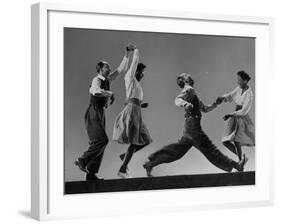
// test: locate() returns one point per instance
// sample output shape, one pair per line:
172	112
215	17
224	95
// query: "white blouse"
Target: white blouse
133	87
245	100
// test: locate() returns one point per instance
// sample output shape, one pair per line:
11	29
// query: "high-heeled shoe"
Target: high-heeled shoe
242	163
148	169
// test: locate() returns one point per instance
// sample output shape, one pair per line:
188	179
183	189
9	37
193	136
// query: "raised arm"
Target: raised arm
133	67
97	91
229	96
122	68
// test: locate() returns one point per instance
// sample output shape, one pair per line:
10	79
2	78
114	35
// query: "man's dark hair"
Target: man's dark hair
140	67
244	75
100	66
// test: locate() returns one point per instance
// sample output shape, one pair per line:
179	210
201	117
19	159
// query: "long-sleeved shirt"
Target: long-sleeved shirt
133	87
96	89
184	99
244	100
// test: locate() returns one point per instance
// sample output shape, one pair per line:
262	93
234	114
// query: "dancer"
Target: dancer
193	135
240	128
94	117
129	127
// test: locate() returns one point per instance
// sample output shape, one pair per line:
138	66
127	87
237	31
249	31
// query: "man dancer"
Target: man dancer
193	135
94	117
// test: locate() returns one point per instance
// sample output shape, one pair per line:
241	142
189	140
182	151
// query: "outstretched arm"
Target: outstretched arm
229	96
122	68
207	108
133	67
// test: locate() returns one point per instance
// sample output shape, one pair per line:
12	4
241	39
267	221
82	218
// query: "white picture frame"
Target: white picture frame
48	201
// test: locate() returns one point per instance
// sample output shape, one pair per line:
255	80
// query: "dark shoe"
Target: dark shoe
148	169
242	163
81	166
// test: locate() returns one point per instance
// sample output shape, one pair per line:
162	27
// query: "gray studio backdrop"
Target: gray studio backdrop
212	60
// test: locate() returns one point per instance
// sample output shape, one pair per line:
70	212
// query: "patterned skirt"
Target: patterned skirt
129	127
240	129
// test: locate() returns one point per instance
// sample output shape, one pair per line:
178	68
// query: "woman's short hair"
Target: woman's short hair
245	76
100	65
140	67
181	81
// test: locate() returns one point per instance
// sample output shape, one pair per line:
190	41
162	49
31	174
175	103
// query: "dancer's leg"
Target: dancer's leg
95	126
230	146
127	158
167	154
215	156
129	154
239	149
136	149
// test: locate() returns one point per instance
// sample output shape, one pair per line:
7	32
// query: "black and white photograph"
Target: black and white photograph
140	111
152	111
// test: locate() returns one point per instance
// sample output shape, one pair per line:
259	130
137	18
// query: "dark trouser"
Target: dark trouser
129	154
193	136
234	147
95	126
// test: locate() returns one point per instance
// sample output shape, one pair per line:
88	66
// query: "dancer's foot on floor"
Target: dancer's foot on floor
148	169
123	173
242	163
81	166
91	176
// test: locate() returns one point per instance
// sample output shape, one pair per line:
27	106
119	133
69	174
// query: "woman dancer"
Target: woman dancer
129	127
90	161
240	128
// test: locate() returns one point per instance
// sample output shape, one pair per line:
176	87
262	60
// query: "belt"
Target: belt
133	101
188	116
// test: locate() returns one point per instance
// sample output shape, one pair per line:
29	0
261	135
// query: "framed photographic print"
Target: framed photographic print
165	111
